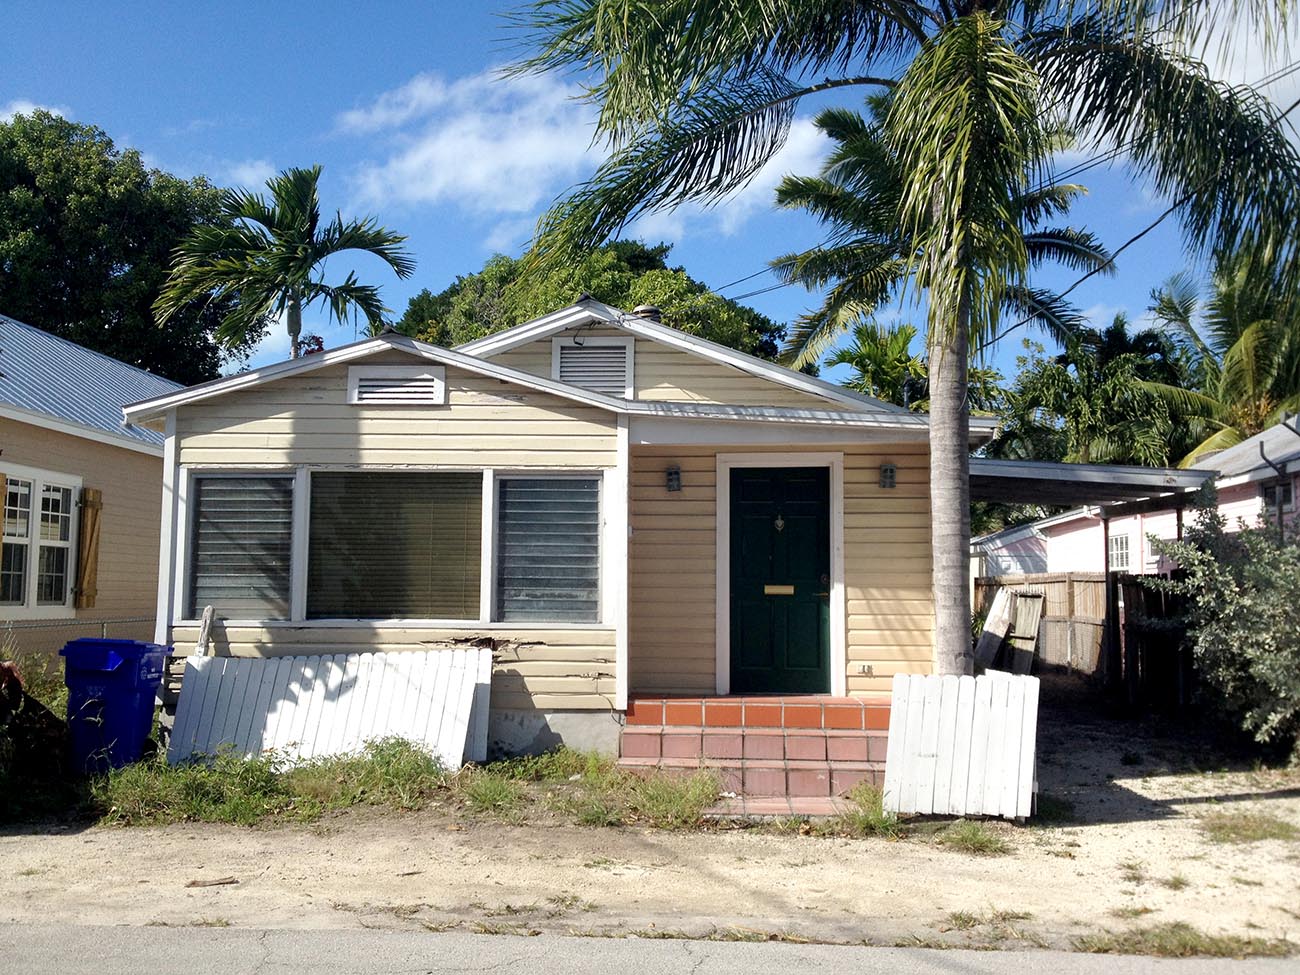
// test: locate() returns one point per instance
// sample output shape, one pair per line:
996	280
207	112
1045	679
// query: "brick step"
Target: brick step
760	744
813	712
771	778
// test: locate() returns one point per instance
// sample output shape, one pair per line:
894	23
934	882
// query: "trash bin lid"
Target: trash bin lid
92	653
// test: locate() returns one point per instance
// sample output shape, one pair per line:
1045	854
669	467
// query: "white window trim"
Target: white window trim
40	478
1128	552
179	537
437	373
604	603
1269	492
838	604
586	341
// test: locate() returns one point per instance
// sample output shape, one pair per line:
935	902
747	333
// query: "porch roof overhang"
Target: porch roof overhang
1121	489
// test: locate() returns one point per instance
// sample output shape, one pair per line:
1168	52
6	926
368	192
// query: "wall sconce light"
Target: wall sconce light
888	475
673	478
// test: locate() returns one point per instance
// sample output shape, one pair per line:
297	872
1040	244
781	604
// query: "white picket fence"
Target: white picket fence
305	707
962	746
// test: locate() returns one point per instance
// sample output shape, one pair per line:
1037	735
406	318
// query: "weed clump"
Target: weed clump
975	838
1178	940
1245	827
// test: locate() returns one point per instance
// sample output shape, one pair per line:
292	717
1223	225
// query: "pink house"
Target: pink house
1255	480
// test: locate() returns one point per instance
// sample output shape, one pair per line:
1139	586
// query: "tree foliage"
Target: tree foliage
86	238
1243	621
1242	341
623	274
864	261
267	259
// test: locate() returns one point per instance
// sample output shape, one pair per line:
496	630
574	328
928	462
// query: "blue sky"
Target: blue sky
402	105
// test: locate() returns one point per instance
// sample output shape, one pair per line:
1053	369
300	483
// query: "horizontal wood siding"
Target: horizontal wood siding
128	544
661	373
307	420
543	669
672	586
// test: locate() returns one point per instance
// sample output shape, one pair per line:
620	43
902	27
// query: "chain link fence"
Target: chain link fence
29	638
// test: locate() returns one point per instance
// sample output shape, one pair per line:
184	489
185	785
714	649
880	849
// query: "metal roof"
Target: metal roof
1039	482
1280	443
45	375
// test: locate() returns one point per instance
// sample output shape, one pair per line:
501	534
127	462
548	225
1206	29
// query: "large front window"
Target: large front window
395	545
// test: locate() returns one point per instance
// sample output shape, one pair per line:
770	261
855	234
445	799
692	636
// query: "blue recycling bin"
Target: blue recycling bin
111	689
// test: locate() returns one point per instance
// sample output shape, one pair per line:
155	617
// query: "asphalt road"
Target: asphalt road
64	950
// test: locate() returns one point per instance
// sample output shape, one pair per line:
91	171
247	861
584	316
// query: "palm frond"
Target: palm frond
1046	310
1079	250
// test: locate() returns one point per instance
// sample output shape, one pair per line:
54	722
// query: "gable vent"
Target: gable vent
397	385
602	368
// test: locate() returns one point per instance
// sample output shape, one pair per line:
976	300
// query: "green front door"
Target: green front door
780	580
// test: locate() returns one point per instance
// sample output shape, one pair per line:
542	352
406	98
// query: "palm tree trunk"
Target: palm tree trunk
950	492
294	322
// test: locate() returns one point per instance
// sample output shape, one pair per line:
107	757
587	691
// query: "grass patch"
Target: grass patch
1129	912
974	838
1132	871
1178	940
230	789
867	816
1246	827
1176	882
489	791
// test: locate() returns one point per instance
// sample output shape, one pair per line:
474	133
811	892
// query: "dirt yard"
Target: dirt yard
1128	846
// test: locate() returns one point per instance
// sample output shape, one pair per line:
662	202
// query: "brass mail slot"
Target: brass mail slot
778	590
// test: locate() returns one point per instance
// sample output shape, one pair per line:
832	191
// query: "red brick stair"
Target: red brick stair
804	746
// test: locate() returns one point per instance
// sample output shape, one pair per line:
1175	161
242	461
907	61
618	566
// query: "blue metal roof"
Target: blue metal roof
42	373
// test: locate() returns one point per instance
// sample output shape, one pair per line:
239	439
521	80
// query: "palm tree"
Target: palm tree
269	257
883	363
1245	354
864	261
695	97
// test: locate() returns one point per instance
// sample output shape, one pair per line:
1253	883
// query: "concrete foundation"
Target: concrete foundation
528	732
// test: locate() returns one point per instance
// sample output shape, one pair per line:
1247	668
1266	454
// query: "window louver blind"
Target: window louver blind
548	550
241	547
602	368
394	545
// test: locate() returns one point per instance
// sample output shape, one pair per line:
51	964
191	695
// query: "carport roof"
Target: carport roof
1039	482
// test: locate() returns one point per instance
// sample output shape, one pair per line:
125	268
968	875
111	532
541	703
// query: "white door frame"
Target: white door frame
722	637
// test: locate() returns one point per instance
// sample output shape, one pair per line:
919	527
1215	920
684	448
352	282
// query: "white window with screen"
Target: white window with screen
1119	553
547	549
240	556
38	555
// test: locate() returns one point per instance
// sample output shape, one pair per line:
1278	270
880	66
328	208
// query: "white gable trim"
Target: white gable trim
136	412
590	310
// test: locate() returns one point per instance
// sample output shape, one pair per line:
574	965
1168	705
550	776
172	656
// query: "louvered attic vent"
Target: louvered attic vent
600	364
397	385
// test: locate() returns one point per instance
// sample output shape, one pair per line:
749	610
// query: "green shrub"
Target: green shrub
866	816
1243	622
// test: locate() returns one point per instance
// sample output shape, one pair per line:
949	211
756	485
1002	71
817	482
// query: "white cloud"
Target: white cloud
21	106
503	148
483	143
249	173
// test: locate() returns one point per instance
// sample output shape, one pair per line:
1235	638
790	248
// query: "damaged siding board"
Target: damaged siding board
321	705
559	669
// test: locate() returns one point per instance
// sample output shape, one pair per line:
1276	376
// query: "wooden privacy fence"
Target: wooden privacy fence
1072	630
962	746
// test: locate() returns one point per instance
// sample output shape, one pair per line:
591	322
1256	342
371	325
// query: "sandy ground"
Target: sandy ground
1133	844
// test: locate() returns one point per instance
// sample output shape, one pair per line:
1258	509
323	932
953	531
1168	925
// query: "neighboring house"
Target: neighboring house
1255	482
651	527
82	492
